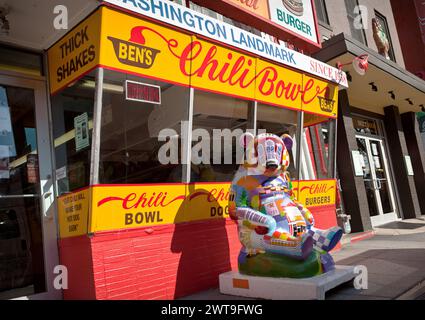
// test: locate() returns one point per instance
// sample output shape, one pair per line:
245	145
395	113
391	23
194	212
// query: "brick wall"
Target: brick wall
163	262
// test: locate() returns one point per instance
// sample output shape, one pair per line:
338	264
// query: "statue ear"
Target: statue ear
287	140
246	139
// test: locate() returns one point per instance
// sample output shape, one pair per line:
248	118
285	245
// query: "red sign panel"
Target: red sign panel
142	92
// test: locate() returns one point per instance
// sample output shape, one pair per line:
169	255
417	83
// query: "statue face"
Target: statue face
267	154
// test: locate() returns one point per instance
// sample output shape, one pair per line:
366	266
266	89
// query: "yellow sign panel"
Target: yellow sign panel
320	97
73	210
207	201
122	42
277	85
317	193
75	54
223	70
141	47
136	206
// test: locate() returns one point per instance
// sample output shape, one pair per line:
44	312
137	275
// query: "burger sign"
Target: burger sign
296	16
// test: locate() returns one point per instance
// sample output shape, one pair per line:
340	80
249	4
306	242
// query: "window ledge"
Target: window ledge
326	26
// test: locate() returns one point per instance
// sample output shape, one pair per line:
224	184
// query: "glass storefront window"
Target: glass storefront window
21	225
72	114
280	121
132	131
218	122
318	148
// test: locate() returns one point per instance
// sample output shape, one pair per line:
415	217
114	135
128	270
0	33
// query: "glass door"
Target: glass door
377	180
28	238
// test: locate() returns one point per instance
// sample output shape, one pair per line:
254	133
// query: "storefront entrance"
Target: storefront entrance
377	180
28	237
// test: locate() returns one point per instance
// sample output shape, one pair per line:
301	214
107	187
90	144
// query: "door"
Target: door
28	237
377	180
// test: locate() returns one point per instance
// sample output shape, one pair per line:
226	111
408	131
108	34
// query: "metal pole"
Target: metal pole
299	143
97	123
187	146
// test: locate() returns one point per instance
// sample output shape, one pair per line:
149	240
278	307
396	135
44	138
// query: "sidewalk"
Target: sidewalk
394	257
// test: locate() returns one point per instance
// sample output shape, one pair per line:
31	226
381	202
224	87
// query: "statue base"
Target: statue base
236	284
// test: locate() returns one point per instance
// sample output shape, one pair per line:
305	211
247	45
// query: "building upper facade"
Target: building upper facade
410	21
348	17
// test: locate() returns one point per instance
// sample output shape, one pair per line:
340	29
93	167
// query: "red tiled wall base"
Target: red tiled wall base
163	262
75	254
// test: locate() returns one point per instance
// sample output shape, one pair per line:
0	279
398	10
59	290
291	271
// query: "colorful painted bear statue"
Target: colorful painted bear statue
277	233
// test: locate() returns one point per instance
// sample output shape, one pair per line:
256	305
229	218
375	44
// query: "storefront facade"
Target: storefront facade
378	129
124	90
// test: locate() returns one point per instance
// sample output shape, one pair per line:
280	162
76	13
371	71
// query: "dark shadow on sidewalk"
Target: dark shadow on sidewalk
402	225
390	272
203	246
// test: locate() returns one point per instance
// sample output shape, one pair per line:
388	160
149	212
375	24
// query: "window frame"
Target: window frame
187	153
384	22
351	18
324	23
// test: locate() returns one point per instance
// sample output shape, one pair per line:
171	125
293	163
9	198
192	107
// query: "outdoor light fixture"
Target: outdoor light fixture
4	23
360	64
374	87
410	101
392	94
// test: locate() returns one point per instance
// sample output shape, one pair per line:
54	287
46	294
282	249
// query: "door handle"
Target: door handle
379	184
47	194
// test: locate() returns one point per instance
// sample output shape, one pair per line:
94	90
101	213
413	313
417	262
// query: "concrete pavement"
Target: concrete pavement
394	258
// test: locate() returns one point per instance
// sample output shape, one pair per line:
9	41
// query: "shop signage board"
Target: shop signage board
296	16
32	168
142	92
75	54
166	54
73	210
154	51
317	193
134	206
179	16
358	163
81	126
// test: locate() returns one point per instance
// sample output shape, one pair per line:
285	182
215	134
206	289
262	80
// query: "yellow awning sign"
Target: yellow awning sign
132	45
75	54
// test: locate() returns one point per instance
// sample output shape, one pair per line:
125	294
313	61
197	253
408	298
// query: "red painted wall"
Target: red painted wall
412	36
162	262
